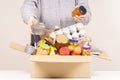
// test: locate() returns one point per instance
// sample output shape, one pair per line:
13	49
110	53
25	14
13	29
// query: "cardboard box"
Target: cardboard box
60	66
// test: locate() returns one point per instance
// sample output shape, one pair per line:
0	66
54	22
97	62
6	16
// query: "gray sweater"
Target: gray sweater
53	12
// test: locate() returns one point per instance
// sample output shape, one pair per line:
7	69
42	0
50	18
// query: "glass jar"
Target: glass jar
38	28
79	11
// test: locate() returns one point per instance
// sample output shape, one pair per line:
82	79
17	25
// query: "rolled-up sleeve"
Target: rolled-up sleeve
30	8
88	14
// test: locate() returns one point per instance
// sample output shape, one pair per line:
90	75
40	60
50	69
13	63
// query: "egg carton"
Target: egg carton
75	31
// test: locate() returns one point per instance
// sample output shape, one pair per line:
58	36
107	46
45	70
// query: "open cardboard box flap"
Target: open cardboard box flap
103	56
58	58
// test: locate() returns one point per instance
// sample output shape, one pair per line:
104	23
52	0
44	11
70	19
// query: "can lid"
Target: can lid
86	47
73	40
82	10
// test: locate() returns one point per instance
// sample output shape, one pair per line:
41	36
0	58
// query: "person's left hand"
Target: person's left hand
79	18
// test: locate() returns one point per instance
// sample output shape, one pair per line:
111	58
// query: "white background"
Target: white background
104	29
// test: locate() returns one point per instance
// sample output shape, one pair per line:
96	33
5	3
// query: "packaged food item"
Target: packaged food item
79	11
86	50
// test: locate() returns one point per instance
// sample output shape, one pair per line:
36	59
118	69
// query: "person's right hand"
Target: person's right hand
78	18
31	21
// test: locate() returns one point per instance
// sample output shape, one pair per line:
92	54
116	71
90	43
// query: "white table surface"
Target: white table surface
96	75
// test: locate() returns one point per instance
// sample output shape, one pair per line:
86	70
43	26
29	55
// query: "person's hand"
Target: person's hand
79	18
31	21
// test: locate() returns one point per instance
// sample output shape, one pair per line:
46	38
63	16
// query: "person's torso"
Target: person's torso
57	12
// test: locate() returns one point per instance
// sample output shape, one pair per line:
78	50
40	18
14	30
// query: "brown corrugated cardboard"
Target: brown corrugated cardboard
47	69
43	58
60	66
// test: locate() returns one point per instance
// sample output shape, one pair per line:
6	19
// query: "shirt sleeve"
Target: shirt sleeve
30	8
84	3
